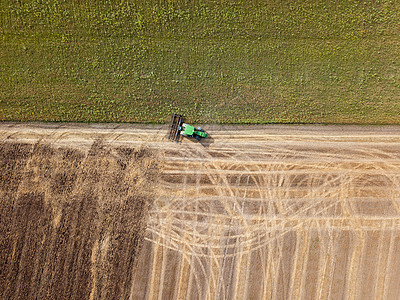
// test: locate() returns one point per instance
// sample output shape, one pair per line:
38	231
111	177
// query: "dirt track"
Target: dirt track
263	212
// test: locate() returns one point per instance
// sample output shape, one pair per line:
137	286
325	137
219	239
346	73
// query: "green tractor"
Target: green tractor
178	128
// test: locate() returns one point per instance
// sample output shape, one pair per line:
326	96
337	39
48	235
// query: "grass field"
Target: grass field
213	61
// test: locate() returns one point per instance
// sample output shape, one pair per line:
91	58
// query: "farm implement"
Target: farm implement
178	128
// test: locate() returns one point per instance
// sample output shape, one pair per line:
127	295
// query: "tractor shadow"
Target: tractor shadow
204	142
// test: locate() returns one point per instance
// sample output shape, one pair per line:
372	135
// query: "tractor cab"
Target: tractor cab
190	131
187	129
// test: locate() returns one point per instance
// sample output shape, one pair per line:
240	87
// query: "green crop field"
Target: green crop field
239	61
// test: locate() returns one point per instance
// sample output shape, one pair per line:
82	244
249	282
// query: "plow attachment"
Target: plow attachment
175	127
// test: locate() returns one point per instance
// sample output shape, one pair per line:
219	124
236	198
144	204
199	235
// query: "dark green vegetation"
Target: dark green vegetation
71	224
239	61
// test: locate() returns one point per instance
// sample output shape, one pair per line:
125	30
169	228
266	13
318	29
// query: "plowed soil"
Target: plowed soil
71	222
265	212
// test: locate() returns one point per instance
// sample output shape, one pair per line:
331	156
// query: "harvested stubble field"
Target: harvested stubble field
273	212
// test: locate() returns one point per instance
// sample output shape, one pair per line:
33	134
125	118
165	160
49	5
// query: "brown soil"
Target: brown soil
72	223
